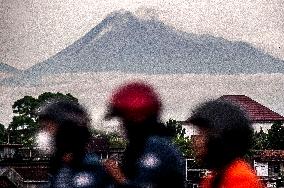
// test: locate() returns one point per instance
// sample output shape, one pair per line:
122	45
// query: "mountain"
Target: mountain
4	68
126	43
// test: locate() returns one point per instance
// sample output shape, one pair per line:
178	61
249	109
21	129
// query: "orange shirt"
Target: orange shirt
239	174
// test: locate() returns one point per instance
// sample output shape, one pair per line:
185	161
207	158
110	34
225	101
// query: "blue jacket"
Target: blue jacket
89	174
159	164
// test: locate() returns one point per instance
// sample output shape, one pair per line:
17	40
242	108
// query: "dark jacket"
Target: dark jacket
89	173
156	163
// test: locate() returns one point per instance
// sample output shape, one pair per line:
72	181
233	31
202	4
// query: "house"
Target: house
103	148
28	167
25	173
9	178
269	166
8	151
261	116
22	167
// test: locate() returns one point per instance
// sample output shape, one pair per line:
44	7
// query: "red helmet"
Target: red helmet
135	101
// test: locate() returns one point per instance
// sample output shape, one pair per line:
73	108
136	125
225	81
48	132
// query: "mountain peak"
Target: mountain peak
129	43
123	18
120	17
145	13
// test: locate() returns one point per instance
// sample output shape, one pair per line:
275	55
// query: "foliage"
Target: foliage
185	146
275	136
48	96
25	124
114	139
2	134
25	106
259	140
180	138
176	127
274	139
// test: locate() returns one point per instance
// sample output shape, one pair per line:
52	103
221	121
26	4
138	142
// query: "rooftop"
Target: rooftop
256	111
269	155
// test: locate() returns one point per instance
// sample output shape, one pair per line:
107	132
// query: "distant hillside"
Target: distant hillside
4	68
123	42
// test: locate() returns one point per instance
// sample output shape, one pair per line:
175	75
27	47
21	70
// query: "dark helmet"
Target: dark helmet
228	131
71	121
135	101
61	111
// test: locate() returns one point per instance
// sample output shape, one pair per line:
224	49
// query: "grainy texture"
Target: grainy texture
167	42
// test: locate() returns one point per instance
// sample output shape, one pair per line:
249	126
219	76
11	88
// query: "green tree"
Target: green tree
275	136
176	127
180	138
49	96
2	133
22	130
260	140
25	106
24	125
116	141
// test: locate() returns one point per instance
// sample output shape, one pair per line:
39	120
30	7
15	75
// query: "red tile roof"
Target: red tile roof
6	183
269	155
33	173
256	111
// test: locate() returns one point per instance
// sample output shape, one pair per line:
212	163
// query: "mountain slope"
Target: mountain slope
123	42
4	68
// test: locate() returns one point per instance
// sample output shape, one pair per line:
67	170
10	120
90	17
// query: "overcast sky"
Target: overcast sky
179	93
32	31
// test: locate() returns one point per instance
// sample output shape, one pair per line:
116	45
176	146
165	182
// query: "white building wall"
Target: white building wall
191	130
261	168
264	126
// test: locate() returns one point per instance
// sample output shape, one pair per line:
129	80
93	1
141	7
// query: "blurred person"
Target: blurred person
64	135
150	159
224	140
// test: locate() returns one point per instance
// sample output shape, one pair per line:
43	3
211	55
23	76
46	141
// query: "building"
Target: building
8	151
22	167
29	168
269	166
104	149
262	117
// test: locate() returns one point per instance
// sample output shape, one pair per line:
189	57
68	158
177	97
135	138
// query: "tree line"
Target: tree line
24	126
273	139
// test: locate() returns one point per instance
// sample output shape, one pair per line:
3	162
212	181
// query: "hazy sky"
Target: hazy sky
179	92
33	30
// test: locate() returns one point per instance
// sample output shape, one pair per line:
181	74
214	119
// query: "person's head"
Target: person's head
65	126
136	104
225	132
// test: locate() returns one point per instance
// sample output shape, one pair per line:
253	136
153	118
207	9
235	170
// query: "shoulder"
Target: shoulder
92	164
163	149
159	142
240	167
94	172
162	146
91	159
242	174
157	146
